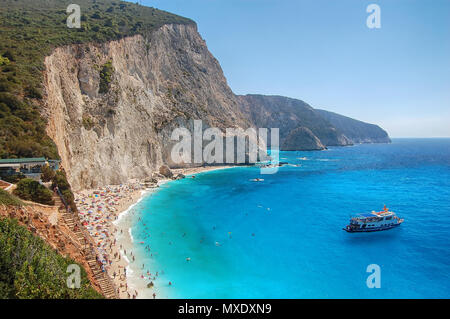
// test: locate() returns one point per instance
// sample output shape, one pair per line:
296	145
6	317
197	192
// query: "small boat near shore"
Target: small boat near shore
374	221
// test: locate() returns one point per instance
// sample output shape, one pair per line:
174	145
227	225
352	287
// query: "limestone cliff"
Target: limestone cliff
153	84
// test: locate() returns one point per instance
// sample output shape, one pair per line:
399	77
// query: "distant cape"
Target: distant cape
356	131
304	128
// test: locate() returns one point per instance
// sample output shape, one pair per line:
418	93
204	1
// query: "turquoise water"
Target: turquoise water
283	237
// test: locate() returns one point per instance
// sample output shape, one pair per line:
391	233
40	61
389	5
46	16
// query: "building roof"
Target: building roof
22	160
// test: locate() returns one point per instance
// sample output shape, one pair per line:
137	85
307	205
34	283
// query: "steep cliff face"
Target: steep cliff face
150	85
289	115
301	138
356	131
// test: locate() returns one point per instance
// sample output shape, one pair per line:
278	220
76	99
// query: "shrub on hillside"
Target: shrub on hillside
3	60
29	189
60	181
13	179
47	174
106	77
33	92
8	199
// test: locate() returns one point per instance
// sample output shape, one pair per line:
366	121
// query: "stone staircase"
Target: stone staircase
83	240
57	200
101	277
81	236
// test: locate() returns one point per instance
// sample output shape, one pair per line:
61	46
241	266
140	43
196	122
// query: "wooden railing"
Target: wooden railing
69	210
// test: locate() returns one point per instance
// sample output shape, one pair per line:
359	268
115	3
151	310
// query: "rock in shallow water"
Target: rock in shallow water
165	171
179	176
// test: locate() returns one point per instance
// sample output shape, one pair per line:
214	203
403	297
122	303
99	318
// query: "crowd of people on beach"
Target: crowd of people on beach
98	209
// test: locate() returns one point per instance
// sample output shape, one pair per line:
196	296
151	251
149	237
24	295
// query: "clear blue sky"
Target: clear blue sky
323	53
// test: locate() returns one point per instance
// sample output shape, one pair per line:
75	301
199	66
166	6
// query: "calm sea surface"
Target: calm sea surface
283	237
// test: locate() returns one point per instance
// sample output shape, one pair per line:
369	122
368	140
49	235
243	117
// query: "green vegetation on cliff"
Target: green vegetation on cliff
31	269
8	199
29	189
105	77
29	31
60	180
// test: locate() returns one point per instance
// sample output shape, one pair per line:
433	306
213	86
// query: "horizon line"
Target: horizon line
419	137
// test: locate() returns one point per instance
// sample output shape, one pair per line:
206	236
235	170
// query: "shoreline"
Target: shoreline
203	169
105	213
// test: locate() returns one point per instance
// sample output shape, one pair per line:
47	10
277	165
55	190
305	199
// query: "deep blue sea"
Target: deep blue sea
283	237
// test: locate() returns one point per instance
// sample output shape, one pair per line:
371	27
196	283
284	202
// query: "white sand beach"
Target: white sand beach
105	212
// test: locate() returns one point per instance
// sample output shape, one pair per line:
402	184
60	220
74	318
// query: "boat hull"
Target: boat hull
372	229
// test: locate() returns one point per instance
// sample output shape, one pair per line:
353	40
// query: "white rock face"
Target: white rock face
161	81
